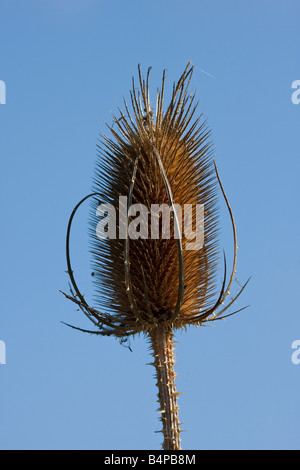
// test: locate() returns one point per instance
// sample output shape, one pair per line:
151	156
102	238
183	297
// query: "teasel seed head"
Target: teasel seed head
156	157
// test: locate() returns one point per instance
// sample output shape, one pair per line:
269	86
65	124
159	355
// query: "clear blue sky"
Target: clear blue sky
66	65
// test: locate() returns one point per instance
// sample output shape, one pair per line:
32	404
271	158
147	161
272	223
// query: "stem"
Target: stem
163	352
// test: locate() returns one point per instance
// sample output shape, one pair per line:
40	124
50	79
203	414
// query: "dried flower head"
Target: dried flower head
154	284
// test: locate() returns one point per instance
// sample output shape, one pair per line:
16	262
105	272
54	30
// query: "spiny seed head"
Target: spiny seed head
185	149
155	157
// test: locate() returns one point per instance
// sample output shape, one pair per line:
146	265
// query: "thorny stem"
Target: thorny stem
163	351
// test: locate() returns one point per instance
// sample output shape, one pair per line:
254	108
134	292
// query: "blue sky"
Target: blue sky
66	65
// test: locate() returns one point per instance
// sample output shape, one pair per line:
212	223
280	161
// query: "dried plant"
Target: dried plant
156	286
